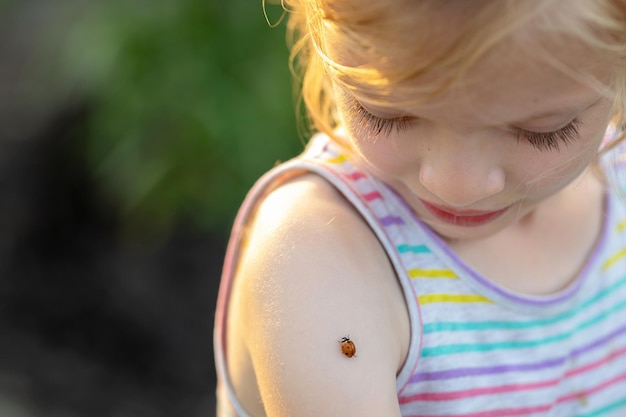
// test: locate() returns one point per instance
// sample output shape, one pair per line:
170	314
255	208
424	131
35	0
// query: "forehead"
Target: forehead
414	51
522	78
514	91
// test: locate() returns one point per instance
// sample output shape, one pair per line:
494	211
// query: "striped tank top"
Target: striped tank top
477	349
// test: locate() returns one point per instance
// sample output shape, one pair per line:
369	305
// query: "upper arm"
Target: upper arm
312	273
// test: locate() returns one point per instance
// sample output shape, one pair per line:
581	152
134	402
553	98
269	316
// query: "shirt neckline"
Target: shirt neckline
554	302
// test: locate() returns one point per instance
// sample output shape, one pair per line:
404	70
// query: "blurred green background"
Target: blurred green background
192	100
130	131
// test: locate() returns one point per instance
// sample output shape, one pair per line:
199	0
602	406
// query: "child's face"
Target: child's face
485	154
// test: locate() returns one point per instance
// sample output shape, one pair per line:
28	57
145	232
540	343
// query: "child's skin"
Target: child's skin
317	272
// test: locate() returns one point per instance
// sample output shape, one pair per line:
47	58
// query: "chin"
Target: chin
457	233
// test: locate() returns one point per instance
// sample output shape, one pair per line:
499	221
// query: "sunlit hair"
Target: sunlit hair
386	40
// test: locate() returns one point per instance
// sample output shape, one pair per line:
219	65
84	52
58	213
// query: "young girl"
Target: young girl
447	245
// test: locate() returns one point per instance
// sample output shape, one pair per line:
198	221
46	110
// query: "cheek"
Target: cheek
384	156
547	173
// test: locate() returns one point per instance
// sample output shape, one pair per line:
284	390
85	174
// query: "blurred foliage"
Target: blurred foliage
191	100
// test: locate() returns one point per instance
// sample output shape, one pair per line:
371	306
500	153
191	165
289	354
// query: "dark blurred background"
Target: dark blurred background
130	131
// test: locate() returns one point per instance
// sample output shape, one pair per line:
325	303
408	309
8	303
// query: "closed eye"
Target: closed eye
551	141
378	125
543	141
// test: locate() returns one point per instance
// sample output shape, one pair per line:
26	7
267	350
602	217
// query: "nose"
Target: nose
459	176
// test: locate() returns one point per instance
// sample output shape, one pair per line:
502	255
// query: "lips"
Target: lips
465	218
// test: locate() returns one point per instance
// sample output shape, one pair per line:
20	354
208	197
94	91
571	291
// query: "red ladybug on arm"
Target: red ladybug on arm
347	346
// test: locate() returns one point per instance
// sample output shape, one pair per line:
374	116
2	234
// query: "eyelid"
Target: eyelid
551	141
379	125
543	141
381	112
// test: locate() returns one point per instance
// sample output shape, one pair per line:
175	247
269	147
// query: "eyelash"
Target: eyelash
543	141
551	141
378	124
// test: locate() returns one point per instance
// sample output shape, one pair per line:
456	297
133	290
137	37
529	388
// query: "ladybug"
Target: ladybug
347	346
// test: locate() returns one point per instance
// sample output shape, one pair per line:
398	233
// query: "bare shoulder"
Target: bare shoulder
312	273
